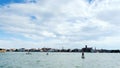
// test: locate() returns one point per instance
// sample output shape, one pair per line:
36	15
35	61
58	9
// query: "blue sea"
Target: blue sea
59	60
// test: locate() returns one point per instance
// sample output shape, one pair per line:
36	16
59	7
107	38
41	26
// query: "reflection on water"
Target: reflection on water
59	60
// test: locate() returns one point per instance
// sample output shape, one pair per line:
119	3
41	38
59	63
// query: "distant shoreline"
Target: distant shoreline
84	49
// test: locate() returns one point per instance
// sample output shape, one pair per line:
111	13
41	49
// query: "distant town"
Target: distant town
84	49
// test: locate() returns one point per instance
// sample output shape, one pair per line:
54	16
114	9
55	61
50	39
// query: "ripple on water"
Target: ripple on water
77	66
59	60
2	66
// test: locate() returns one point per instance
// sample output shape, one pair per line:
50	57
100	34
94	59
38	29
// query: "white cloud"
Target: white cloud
70	23
48	34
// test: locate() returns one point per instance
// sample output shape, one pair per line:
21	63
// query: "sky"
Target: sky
60	23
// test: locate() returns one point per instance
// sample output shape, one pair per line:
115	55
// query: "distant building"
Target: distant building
51	50
21	50
2	50
46	49
76	50
32	49
87	49
12	50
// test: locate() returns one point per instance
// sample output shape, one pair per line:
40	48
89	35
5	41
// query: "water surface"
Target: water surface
59	60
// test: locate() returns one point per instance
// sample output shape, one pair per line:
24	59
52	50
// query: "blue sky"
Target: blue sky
59	23
4	2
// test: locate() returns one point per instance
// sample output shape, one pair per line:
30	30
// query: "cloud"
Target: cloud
69	23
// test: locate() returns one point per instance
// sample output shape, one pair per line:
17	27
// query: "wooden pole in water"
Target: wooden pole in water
83	55
46	53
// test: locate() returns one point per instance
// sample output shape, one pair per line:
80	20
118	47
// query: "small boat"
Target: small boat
28	53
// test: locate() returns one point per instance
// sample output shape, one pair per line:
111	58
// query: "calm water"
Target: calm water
59	60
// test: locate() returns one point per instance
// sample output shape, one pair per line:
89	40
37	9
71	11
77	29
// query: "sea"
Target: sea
59	60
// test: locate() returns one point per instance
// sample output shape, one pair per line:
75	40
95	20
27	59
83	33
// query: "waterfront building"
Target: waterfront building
51	50
87	49
2	50
32	49
21	50
76	50
46	49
